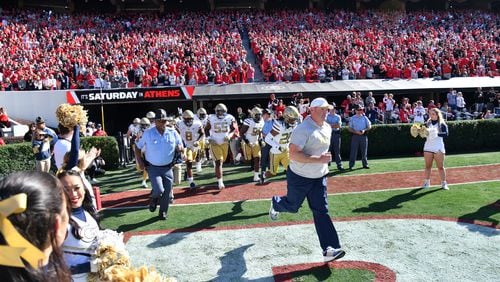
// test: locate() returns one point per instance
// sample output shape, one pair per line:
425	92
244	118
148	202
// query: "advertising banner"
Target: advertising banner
132	95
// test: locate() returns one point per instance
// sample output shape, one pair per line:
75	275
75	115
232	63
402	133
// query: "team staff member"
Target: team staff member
358	126
162	145
335	121
221	126
306	177
434	147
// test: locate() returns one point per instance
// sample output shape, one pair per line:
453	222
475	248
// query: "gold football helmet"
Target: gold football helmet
220	110
188	117
256	114
291	115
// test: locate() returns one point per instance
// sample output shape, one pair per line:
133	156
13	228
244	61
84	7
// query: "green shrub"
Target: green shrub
395	139
16	157
108	146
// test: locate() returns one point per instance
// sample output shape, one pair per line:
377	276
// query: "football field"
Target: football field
391	229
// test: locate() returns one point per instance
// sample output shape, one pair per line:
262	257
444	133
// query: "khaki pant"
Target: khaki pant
43	166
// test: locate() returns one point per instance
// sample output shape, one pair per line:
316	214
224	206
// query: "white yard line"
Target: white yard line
416	249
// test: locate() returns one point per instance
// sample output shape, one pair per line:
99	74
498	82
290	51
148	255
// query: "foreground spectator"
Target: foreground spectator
40	225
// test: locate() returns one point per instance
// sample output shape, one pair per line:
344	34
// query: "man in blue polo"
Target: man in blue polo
162	145
306	177
358	126
335	121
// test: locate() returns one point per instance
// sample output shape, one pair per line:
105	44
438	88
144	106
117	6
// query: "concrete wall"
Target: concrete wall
27	105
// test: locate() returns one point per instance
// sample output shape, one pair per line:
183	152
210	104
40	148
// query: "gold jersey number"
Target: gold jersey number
221	127
285	138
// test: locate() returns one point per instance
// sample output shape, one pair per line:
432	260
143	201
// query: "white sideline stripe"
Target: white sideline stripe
329	194
415	170
416	250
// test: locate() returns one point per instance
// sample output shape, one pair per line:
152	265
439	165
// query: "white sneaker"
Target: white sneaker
273	215
144	184
444	186
427	184
331	254
256	178
221	184
198	167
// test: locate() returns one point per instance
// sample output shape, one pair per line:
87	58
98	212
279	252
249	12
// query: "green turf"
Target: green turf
470	201
324	273
129	179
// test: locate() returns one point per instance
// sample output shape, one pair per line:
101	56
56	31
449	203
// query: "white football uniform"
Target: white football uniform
189	134
254	130
220	127
203	121
283	136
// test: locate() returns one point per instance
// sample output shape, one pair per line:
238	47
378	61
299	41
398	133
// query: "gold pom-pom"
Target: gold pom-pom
423	132
415	129
71	115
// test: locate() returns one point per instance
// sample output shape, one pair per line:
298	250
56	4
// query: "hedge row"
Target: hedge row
395	139
16	157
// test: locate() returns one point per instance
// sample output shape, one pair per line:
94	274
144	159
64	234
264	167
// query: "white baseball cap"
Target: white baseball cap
320	103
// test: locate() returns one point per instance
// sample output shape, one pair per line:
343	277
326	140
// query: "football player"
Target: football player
202	116
192	134
220	127
251	132
279	138
145	123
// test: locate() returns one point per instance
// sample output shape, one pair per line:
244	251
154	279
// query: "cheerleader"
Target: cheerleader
434	147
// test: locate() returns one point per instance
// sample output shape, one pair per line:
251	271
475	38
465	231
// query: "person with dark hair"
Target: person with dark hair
28	136
63	145
34	217
84	225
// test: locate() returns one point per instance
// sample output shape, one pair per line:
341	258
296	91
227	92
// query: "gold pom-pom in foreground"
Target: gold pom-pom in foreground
71	115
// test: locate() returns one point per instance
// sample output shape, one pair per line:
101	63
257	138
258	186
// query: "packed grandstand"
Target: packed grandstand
49	50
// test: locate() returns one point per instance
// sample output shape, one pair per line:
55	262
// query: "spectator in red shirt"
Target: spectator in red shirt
99	131
4	119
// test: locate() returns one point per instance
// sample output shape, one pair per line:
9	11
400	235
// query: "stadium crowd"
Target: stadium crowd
314	46
39	50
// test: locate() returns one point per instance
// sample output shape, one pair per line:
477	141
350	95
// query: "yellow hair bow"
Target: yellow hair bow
17	246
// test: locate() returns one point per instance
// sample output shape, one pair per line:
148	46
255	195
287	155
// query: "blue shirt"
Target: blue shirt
359	122
333	119
159	149
268	126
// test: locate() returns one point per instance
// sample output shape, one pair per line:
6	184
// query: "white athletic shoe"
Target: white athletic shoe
256	178
444	186
198	167
427	184
331	254
221	186
144	184
273	215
